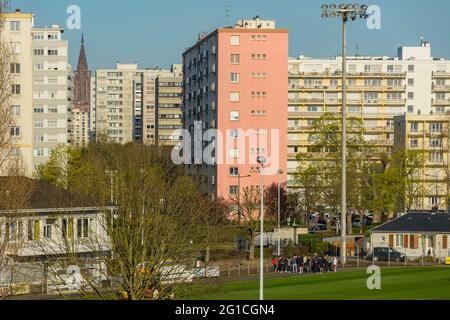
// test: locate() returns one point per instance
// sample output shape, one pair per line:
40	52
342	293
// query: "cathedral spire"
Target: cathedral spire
82	61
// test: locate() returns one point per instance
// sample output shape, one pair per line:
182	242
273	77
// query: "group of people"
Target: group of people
305	264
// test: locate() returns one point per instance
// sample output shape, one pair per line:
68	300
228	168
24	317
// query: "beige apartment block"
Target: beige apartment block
169	114
378	89
126	103
430	134
18	33
80	119
50	92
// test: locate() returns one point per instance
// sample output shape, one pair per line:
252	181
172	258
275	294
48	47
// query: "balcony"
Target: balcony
435	102
441	75
349	74
437	88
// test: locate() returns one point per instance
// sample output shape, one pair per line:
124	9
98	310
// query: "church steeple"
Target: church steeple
82	81
82	61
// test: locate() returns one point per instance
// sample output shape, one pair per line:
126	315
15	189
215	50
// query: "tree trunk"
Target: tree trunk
207	254
251	255
349	223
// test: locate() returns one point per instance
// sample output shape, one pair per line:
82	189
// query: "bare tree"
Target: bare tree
250	215
154	232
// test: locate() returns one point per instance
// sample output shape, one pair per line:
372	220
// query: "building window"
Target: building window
235	40
410	109
233	190
414	127
411	82
411	68
48	231
235	58
436	127
414	144
234	96
435	157
234	172
38	52
399	240
15	110
234	153
15	88
15	132
14	26
410	95
52	52
15	68
82	228
234	133
234	77
234	115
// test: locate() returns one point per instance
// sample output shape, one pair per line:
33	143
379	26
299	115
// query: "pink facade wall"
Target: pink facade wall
275	103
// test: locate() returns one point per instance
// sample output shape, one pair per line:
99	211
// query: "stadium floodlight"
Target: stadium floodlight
344	12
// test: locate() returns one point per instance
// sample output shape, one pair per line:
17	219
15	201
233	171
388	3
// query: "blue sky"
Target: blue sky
155	33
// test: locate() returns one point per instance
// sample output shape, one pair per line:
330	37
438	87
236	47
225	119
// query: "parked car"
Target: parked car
386	254
317	228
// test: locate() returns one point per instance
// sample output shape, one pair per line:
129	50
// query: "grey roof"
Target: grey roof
417	222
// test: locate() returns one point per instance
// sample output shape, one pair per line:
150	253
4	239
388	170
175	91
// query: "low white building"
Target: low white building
41	237
417	234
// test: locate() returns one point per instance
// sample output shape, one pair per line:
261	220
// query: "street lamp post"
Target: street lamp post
280	172
261	160
344	11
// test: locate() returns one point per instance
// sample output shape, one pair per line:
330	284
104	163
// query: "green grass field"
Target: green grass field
396	284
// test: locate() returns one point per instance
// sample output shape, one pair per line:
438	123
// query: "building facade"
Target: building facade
378	89
169	94
235	81
126	102
416	235
18	28
50	92
430	135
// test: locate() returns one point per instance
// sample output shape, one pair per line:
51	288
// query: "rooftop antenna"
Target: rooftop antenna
227	15
422	38
357	50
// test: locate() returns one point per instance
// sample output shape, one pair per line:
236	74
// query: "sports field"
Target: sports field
423	283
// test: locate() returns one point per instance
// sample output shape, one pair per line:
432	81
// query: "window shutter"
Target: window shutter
37	230
416	242
391	241
444	242
405	241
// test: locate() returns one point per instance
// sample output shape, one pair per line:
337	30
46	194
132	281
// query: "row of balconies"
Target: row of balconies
349	88
349	74
349	101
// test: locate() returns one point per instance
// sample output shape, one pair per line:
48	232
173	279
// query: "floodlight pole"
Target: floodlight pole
345	11
344	142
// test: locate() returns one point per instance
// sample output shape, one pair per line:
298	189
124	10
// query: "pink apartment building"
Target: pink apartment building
236	81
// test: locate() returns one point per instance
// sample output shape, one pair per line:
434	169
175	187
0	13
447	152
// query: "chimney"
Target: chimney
18	11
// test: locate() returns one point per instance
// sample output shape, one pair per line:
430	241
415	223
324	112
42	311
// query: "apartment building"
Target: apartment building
151	100
92	109
50	92
118	109
235	82
169	93
379	88
80	120
126	102
18	26
429	134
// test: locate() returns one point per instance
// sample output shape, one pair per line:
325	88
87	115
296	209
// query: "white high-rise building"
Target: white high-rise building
379	88
50	92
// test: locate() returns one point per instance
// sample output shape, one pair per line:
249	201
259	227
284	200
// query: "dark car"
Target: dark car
386	254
